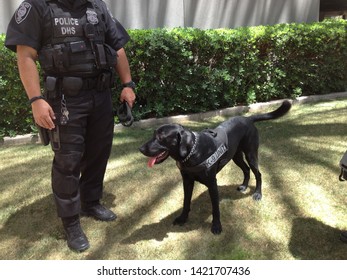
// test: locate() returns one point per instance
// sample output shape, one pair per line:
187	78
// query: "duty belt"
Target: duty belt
101	82
73	85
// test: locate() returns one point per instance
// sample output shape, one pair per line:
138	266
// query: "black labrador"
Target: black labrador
201	155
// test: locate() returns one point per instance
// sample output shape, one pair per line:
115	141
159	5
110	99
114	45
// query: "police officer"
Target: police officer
79	46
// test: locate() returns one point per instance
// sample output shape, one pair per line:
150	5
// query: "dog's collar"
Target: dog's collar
196	139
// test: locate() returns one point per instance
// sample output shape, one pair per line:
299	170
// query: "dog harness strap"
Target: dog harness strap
215	156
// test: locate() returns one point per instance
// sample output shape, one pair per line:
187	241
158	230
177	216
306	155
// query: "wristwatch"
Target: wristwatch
130	84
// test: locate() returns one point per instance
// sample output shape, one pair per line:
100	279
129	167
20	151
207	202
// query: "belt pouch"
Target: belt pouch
50	87
72	85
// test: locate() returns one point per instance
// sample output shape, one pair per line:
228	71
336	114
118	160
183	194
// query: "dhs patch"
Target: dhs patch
22	12
92	17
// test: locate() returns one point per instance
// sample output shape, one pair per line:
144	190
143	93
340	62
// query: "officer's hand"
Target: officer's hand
128	95
43	114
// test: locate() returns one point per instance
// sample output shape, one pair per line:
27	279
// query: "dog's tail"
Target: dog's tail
279	112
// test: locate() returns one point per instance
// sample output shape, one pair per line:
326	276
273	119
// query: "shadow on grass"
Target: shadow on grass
27	226
307	232
26	229
200	212
308	147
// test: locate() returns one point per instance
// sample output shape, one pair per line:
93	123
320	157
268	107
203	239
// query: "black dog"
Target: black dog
200	156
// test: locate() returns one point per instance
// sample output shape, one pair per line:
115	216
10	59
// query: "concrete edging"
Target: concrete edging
153	122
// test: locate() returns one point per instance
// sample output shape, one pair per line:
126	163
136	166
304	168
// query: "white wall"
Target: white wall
204	14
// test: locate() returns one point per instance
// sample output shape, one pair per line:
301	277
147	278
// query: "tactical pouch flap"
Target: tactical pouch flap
51	87
72	85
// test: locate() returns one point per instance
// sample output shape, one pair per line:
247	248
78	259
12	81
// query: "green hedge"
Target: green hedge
187	70
190	70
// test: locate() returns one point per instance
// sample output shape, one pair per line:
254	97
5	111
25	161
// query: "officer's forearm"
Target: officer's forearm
42	112
28	70
122	67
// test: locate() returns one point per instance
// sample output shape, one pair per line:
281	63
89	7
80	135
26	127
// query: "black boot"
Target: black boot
76	239
98	211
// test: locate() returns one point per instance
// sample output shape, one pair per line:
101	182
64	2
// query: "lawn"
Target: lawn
301	215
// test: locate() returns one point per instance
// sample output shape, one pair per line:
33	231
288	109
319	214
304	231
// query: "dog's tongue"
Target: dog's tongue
151	161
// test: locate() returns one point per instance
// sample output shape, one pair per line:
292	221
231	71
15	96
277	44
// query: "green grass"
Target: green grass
300	217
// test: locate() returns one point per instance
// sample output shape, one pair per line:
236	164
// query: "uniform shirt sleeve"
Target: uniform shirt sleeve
25	26
116	35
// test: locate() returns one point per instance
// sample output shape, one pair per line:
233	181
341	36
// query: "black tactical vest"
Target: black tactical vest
76	46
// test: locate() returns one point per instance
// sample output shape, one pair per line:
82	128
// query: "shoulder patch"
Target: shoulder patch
22	12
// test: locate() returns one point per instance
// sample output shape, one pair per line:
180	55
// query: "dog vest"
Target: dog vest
220	138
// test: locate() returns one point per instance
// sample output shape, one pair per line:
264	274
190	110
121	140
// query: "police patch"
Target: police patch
22	12
92	17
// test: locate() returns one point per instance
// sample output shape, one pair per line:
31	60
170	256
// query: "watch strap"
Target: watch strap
130	84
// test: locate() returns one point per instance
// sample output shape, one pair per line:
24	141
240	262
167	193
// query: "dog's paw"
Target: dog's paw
216	228
180	221
257	196
242	188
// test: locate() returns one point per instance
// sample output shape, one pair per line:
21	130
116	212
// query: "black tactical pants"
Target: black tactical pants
81	150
